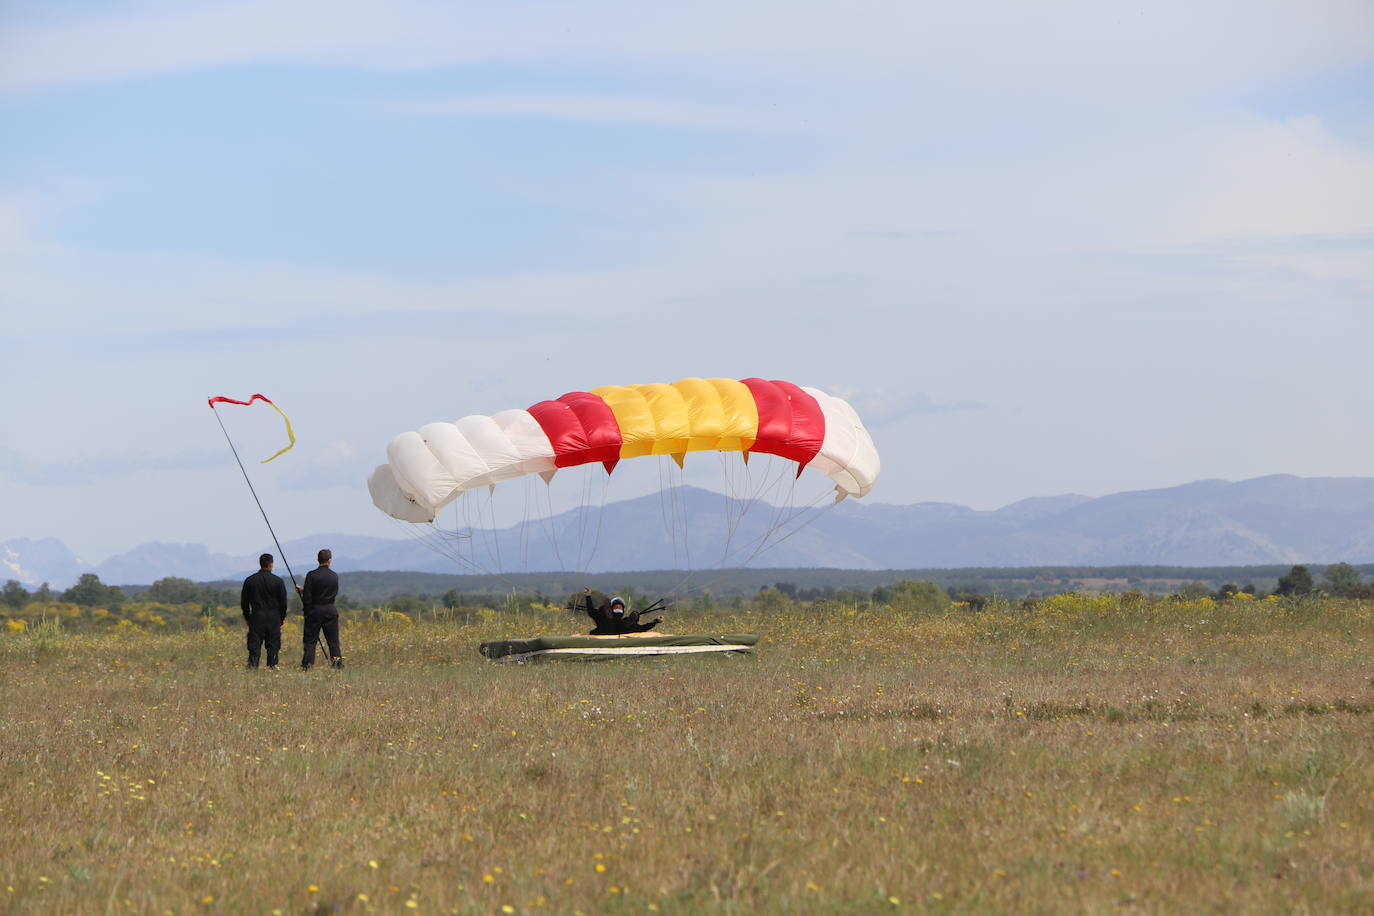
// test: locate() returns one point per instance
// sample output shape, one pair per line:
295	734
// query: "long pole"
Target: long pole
244	472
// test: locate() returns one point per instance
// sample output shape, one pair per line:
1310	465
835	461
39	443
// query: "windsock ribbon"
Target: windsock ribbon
220	399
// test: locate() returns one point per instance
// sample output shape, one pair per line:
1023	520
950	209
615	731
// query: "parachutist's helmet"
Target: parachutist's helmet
617	606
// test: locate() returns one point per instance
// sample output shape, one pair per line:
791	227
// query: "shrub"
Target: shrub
918	596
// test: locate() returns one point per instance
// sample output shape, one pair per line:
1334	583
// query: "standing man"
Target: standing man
317	601
263	601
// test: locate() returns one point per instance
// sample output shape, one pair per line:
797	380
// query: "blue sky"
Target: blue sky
1072	247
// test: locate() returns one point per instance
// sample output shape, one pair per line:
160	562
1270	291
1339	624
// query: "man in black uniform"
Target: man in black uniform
263	601
611	619
317	601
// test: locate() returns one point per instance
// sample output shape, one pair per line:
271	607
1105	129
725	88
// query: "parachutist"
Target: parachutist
317	601
614	618
263	600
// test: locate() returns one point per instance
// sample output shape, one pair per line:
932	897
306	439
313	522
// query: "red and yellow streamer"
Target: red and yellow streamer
290	434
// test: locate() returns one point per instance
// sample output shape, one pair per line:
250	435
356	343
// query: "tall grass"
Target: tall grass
1082	754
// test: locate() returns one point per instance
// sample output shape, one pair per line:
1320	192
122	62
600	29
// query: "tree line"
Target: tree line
89	591
1338	580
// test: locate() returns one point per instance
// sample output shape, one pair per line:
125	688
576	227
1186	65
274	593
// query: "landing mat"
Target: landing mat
596	647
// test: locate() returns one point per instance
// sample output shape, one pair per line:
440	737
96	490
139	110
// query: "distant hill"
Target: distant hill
1279	519
1276	520
34	562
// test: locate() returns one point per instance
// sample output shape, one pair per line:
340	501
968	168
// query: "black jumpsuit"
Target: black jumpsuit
263	601
608	625
317	599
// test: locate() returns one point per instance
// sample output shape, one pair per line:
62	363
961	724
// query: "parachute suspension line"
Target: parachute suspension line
681	589
454	542
798	521
752	493
733	492
239	461
745	486
584	497
681	507
765	482
493	532
728	516
669	510
665	511
464	521
481	534
463	528
680	517
433	541
662	511
524	526
680	558
745	494
790	514
763	545
780	512
448	544
686	513
549	527
777	517
576	528
743	490
677	517
526	522
600	516
576	524
572	530
530	523
584	559
675	514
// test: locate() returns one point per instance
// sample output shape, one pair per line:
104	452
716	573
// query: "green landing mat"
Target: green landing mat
601	647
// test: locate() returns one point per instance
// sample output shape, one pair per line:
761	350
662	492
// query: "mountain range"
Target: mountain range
1278	519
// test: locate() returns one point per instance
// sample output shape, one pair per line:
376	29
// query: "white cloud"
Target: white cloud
117	45
1288	178
16	227
646	112
335	463
50	290
1071	50
881	408
1355	265
70	472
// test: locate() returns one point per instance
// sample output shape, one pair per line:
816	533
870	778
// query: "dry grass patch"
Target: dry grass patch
1156	758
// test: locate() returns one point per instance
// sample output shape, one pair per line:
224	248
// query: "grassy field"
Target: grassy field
1086	754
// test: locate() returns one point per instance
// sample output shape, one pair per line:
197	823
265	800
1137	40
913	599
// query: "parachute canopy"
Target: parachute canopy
431	467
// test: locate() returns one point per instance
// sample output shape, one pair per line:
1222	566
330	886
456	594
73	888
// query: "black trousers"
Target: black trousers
317	622
260	632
